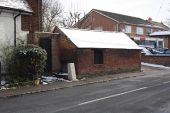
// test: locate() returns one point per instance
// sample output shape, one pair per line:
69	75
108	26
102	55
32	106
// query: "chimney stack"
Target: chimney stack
150	19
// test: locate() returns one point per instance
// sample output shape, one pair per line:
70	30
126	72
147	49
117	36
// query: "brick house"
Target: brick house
95	52
137	28
162	34
18	20
33	23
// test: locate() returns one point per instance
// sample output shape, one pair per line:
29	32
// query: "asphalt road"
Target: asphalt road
144	94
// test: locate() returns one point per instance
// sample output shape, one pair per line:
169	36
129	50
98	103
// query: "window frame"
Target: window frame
138	30
149	30
98	56
128	29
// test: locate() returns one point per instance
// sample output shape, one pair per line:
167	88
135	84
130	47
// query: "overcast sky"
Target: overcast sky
158	10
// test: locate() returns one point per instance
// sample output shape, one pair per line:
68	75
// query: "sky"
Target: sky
158	10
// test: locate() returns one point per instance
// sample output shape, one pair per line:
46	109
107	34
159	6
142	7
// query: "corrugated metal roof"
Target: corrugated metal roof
99	39
20	5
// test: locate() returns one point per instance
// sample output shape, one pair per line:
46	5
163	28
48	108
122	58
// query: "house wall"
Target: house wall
7	32
33	22
7	29
156	59
115	61
55	53
94	19
168	41
67	52
24	26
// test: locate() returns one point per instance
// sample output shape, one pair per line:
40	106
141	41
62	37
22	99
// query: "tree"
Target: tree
72	20
51	11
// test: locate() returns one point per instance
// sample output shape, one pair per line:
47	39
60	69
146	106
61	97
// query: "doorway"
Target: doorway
45	43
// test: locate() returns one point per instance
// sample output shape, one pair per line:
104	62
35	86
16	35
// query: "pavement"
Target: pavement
61	85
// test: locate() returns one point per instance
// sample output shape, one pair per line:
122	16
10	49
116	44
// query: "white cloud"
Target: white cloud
156	9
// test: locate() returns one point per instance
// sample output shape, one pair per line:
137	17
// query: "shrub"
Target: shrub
25	62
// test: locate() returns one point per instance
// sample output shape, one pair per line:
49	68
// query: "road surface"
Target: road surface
144	94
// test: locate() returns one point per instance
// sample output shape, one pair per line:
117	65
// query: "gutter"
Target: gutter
15	35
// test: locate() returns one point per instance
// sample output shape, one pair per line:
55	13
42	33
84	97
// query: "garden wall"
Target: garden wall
156	59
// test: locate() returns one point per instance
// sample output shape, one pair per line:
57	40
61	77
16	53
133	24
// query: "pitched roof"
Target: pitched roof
97	39
18	5
122	18
159	24
131	20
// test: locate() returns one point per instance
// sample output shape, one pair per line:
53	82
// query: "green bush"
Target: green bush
25	62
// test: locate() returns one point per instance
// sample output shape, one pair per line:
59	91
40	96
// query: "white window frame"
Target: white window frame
128	29
149	30
139	30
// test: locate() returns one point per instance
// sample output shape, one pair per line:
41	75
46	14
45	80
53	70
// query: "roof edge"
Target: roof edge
56	27
13	9
96	10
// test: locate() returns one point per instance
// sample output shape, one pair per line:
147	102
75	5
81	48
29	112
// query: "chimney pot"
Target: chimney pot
150	19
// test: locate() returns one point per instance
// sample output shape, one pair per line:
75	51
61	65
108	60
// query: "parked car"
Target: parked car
145	50
155	51
167	52
159	51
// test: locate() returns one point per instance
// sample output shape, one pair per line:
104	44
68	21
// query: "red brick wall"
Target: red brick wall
168	42
34	22
115	61
55	52
155	59
97	20
56	65
64	42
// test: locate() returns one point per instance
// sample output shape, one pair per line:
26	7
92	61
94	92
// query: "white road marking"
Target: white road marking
166	82
111	96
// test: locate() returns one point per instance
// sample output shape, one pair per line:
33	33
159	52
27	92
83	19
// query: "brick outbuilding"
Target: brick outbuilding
96	52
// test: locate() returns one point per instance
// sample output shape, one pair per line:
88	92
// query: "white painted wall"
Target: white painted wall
7	31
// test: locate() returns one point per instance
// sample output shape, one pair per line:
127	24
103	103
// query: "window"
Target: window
98	56
139	30
149	30
127	29
160	44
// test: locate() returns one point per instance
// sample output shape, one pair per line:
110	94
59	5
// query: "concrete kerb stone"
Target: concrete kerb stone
79	83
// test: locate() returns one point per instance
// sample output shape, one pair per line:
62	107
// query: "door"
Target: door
46	44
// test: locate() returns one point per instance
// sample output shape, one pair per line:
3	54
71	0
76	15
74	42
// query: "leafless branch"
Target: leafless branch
51	10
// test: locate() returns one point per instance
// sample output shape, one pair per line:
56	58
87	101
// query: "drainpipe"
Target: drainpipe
117	27
39	29
15	32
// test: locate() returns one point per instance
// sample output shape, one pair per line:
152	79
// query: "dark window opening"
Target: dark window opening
98	56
